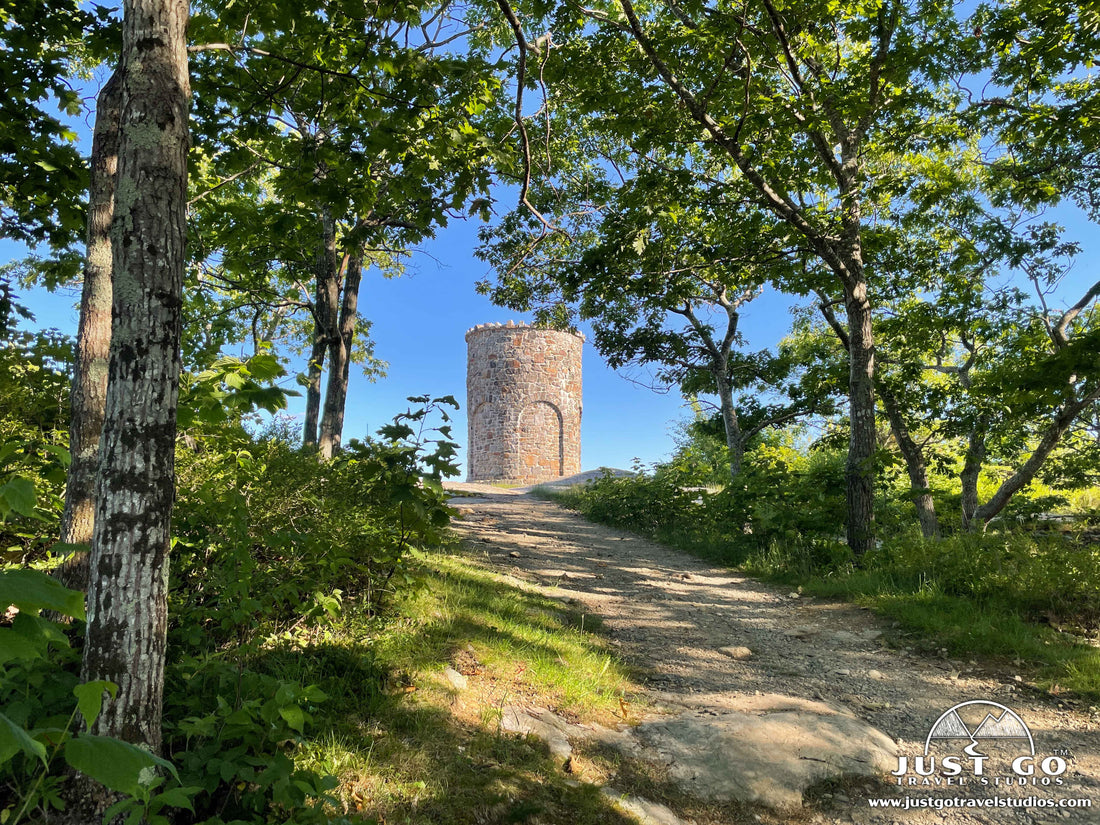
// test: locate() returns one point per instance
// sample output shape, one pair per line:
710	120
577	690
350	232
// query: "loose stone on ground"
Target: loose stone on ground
736	652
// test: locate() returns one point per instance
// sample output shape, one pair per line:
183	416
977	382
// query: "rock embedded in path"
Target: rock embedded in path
736	651
457	680
646	812
541	723
769	751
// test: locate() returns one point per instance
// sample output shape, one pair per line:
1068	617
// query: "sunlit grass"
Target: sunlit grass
408	747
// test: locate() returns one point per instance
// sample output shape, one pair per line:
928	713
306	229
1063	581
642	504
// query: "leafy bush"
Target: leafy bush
266	535
34	414
43	701
268	543
781	495
232	730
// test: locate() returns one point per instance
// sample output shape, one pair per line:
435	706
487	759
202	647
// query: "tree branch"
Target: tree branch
222	183
525	140
1058	334
779	203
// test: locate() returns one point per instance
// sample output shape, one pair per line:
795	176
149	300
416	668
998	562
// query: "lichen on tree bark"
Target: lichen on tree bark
128	577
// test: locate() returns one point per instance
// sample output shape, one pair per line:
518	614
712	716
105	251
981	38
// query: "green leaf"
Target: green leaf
177	798
89	698
18	496
235	380
60	452
294	717
40	632
63	549
13	739
33	590
265	367
115	764
17	647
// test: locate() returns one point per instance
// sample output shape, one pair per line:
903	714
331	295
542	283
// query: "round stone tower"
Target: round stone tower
523	397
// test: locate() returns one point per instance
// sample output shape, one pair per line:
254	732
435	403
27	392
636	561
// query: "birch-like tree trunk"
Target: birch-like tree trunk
128	580
339	361
88	397
326	298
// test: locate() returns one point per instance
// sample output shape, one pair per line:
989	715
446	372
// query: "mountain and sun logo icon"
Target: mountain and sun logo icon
980	739
997	723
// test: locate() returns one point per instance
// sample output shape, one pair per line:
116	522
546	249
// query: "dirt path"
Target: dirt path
673	615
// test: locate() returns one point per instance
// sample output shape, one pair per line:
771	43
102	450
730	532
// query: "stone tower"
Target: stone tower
523	397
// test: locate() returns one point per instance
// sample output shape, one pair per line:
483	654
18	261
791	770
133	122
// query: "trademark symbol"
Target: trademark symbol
1061	752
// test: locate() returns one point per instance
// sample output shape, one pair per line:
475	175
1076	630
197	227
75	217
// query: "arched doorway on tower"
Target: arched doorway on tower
541	441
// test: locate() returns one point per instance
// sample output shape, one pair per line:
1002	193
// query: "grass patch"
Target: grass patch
408	747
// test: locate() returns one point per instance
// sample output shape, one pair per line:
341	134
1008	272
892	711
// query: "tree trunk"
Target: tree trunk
88	397
972	469
734	441
313	386
339	362
326	298
128	581
1022	477
860	471
914	465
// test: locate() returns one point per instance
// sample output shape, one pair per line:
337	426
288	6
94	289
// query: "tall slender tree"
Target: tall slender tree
88	397
127	593
805	108
356	131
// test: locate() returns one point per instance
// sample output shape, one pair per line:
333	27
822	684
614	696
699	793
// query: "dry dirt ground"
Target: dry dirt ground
671	615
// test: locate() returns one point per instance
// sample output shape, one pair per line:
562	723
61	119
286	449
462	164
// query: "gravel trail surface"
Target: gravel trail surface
707	638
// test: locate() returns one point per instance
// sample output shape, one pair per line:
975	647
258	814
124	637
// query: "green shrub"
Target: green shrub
269	543
266	535
1037	577
34	416
43	705
232	731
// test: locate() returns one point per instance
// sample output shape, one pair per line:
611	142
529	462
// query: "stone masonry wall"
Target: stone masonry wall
523	398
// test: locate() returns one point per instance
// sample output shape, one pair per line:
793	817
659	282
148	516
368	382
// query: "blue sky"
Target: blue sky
420	321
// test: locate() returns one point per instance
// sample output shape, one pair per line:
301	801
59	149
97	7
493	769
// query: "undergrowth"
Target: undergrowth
312	610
